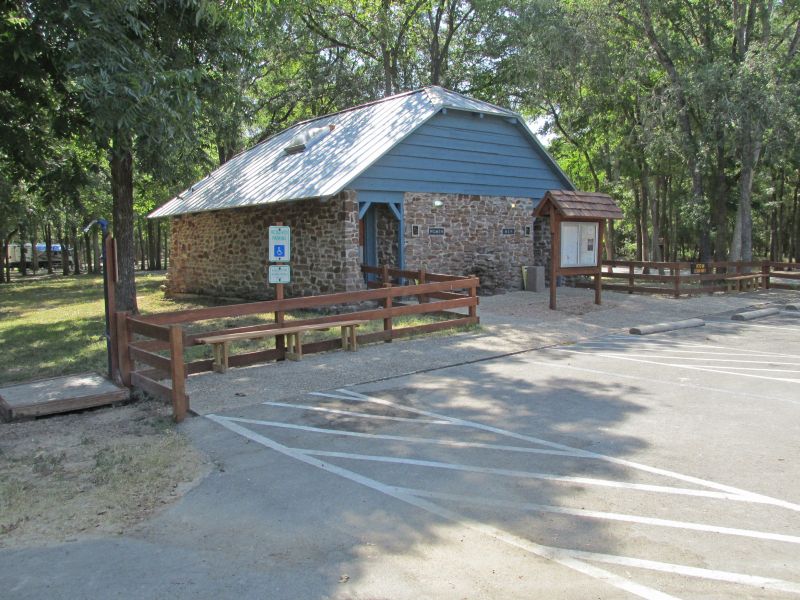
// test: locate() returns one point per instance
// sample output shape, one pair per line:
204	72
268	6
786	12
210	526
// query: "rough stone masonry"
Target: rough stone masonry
224	253
488	236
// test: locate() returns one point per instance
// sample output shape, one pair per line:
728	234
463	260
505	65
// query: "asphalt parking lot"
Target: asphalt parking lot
658	466
662	466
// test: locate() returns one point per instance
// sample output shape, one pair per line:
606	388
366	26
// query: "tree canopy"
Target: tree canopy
686	111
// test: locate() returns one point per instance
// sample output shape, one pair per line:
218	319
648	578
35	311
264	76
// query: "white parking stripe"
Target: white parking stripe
355	396
408	439
574	559
680	366
642	487
659	347
357	414
705	358
557	555
667	345
702	388
594	514
768	583
748	325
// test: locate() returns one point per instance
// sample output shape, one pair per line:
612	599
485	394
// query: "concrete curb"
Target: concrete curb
755	314
662	327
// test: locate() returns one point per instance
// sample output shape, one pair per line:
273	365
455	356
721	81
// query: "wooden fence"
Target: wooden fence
687	279
144	340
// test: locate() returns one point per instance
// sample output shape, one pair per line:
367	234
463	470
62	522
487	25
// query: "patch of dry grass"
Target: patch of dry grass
91	473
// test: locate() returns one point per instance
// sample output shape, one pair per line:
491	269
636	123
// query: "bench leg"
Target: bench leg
353	338
349	339
220	357
295	343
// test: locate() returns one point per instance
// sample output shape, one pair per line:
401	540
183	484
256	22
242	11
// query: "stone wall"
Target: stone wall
224	252
472	240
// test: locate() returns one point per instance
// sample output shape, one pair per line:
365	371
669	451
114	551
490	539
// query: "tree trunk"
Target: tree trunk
158	245
795	231
142	247
638	209
64	250
121	163
645	206
751	151
720	215
610	240
4	274
34	252
76	251
48	241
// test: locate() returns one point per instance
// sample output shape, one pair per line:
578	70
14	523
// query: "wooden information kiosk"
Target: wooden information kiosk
577	222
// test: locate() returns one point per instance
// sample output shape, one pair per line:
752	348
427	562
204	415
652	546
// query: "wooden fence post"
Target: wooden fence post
387	321
280	340
473	308
765	269
630	278
180	403
422	298
385	276
676	272
123	339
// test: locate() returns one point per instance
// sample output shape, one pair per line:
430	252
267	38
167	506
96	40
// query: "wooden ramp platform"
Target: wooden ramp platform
57	395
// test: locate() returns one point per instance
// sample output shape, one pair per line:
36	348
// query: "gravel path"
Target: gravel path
513	322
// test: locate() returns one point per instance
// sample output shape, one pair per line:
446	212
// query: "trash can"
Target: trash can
533	278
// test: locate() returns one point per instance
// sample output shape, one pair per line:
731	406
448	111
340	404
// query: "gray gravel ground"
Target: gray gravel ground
510	323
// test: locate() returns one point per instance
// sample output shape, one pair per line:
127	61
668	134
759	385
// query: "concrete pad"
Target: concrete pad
755	314
662	327
58	394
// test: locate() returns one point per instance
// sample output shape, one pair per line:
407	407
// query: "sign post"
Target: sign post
280	251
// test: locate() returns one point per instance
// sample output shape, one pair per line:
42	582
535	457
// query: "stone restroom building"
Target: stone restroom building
425	179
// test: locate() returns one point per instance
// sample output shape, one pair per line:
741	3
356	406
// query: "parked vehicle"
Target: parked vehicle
15	255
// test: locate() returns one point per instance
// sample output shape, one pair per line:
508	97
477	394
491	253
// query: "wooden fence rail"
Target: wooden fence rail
142	338
686	279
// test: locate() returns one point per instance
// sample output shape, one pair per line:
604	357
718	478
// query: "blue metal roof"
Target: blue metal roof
361	135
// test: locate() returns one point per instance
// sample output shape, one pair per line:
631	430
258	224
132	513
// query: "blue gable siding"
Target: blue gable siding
459	153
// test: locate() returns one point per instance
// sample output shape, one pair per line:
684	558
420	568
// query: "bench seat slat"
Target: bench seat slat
250	335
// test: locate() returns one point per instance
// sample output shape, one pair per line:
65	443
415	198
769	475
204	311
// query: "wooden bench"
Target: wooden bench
294	339
739	283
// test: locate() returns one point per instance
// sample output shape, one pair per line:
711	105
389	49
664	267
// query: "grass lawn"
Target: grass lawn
52	326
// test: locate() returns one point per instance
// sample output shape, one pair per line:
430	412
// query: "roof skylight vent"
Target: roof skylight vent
305	139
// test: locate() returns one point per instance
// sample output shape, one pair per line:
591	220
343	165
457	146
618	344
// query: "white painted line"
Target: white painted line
556	555
594	514
573	559
671	348
768	583
706	358
756	369
357	414
642	487
744	325
355	396
615	374
680	366
407	439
